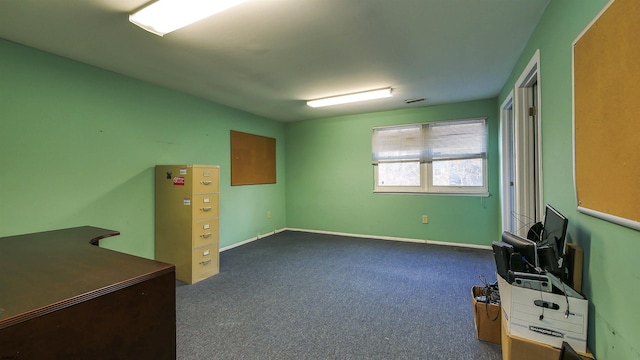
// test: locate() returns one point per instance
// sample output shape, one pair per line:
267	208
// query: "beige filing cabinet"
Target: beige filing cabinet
187	223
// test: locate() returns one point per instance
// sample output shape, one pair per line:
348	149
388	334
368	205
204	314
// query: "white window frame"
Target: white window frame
426	171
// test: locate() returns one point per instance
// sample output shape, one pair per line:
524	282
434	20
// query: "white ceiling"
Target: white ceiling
268	56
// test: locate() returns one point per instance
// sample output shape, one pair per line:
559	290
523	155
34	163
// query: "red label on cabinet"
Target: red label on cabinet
178	180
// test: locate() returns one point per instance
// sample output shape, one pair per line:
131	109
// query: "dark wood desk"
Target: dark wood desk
63	298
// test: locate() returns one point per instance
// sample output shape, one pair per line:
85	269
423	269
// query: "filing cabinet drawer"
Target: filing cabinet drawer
204	206
205	232
206	180
205	262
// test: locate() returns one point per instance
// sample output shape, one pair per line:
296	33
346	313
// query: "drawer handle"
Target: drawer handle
208	208
205	263
206	182
205	235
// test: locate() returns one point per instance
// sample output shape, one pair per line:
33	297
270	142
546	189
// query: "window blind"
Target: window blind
456	140
397	143
425	142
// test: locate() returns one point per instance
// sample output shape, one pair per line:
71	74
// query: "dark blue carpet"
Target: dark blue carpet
297	295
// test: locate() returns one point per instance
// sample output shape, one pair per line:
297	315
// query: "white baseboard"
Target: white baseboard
251	240
391	238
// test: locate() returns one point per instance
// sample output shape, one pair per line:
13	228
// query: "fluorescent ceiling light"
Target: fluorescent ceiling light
343	99
165	16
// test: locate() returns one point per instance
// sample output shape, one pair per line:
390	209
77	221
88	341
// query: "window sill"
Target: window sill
479	194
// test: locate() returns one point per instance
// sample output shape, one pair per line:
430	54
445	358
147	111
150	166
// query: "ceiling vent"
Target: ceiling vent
411	101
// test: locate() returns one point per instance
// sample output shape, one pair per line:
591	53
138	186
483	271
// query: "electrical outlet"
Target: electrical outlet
425	219
269	214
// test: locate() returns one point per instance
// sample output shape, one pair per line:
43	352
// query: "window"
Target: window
438	157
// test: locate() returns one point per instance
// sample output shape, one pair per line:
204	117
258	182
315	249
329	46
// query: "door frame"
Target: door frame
507	163
528	193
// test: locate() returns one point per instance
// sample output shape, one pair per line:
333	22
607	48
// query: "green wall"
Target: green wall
330	181
78	146
611	270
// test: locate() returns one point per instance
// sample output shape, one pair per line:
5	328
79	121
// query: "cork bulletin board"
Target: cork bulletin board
253	159
606	111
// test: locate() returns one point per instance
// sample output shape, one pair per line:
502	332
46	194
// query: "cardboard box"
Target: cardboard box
486	317
574	263
517	348
564	318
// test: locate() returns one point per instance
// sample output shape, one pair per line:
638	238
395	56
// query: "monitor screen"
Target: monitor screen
554	231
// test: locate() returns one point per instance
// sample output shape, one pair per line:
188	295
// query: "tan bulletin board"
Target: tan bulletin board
606	96
253	159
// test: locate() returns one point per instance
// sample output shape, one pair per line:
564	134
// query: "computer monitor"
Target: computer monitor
568	353
525	255
502	255
554	229
552	244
